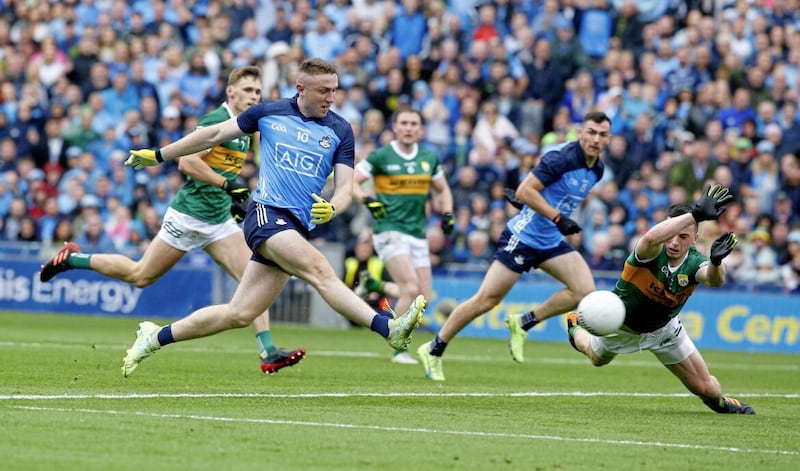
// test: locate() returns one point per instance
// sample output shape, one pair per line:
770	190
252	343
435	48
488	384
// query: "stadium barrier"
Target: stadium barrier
714	319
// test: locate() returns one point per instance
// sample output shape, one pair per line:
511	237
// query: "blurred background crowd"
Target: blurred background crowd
697	91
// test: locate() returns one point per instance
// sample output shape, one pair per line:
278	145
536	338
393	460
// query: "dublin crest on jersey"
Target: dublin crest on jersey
325	142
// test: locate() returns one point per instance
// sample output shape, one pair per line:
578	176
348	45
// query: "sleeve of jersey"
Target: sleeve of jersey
550	168
248	121
365	167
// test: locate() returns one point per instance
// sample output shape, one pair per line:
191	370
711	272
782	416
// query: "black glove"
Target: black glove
377	208
448	223
511	196
566	225
238	191
722	247
239	210
711	205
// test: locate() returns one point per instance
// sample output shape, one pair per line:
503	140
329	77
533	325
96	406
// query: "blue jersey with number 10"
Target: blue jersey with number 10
567	181
297	153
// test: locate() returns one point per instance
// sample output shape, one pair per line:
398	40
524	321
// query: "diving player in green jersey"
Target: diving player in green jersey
200	216
403	173
659	276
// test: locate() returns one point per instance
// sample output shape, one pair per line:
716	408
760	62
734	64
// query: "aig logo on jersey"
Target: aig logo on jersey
297	160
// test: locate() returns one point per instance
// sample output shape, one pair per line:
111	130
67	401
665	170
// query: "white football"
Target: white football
601	312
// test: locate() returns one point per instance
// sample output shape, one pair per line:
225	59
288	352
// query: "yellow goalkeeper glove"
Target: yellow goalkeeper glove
139	159
321	211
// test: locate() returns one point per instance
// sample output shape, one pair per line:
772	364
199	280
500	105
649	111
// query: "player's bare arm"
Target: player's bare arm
194	166
711	275
649	246
530	193
201	139
358	181
442	197
343	187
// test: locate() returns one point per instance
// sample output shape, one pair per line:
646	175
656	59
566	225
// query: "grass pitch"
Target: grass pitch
205	405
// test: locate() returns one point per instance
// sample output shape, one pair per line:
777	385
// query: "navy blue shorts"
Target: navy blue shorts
263	222
520	258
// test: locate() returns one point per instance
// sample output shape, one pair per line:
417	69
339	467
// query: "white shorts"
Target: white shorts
393	243
670	344
185	233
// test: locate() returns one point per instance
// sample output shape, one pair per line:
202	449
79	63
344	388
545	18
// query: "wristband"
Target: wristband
557	218
159	158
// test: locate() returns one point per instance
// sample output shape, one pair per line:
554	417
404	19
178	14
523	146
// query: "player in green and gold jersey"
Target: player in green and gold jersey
403	173
659	276
204	214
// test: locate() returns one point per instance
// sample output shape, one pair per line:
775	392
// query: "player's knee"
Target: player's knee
319	274
238	320
487	302
141	281
412	289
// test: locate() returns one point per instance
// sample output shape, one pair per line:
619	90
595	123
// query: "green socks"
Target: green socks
265	343
79	260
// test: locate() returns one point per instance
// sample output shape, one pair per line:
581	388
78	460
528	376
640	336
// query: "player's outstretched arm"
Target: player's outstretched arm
196	141
713	274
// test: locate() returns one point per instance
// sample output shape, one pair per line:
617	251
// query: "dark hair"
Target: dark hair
677	209
596	117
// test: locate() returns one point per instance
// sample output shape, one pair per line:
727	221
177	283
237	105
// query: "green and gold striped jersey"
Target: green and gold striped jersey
210	203
652	292
402	184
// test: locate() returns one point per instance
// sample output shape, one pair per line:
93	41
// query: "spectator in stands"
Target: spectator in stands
325	41
492	129
692	172
567	51
408	28
543	94
738	112
250	41
195	87
764	180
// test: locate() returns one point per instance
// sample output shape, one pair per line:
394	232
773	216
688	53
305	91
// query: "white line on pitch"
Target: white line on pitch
419	430
43	397
578	360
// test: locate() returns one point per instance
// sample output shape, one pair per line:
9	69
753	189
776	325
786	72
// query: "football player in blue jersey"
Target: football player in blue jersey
535	239
301	144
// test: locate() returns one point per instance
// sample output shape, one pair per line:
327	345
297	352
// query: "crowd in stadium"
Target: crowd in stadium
697	91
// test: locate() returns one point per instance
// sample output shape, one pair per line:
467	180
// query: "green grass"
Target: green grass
204	405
